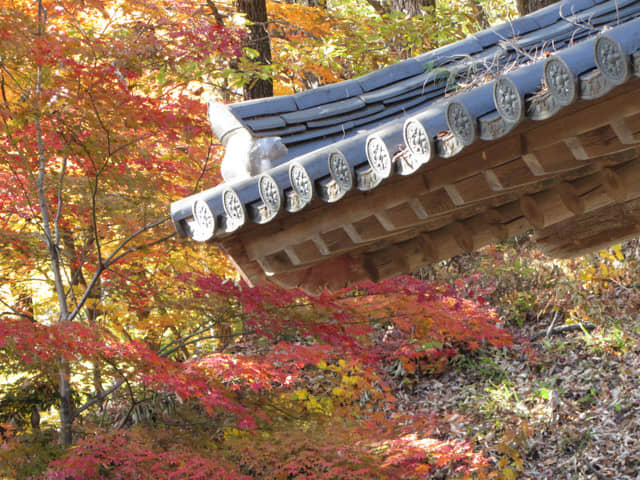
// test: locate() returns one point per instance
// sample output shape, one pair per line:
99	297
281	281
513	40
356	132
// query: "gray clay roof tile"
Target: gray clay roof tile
324	110
328	94
392	74
265	123
342	117
264	106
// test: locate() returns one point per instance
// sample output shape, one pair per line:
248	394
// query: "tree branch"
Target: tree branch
379	7
216	13
114	257
290	25
97	400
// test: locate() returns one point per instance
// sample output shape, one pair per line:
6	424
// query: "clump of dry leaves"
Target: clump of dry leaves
564	402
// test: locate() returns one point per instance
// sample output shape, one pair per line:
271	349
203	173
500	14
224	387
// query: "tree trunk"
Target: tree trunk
479	13
310	3
528	6
412	8
35	419
259	40
66	406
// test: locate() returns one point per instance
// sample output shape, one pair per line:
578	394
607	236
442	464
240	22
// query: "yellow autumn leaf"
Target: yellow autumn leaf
301	394
338	392
509	474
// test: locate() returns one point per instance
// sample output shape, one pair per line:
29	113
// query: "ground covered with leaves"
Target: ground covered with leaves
500	364
564	401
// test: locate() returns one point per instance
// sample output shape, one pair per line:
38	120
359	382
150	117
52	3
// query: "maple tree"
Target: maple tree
98	128
146	353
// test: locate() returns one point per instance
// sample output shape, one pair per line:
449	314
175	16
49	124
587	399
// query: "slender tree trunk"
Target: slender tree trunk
259	40
480	13
310	3
35	419
528	6
412	8
51	237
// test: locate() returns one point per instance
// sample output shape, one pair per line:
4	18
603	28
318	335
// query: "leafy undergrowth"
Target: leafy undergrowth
305	389
564	401
523	368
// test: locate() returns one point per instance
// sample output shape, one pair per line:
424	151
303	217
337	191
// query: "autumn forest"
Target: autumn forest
129	353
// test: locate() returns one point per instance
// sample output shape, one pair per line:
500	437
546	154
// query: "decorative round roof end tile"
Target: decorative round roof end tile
378	156
611	60
270	193
205	221
301	182
341	171
560	80
417	140
461	123
234	210
507	100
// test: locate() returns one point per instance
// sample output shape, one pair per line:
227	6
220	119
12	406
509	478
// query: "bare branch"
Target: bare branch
204	167
216	13
114	257
56	221
290	25
140	247
97	400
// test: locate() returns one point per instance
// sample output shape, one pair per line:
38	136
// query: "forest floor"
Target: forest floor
564	401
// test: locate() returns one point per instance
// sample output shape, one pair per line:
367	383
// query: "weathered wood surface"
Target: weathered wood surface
404	226
425	180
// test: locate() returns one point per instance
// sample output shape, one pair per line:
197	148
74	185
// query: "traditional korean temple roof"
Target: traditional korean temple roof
532	124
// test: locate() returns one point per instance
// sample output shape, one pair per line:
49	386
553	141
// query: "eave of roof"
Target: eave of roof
365	134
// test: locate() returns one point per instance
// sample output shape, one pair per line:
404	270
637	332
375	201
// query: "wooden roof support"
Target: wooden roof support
595	230
391	171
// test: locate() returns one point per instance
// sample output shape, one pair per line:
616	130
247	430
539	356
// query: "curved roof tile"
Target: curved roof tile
357	134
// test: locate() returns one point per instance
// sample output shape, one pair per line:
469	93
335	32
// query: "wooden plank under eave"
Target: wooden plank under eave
627	180
584	116
436	202
490	154
474	188
307	252
514	173
601	141
334	274
250	271
369	229
570	197
385	263
337	240
624	131
487	228
551	159
350	210
592	231
405	215
587	194
402	257
632	123
514	224
276	263
544	208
